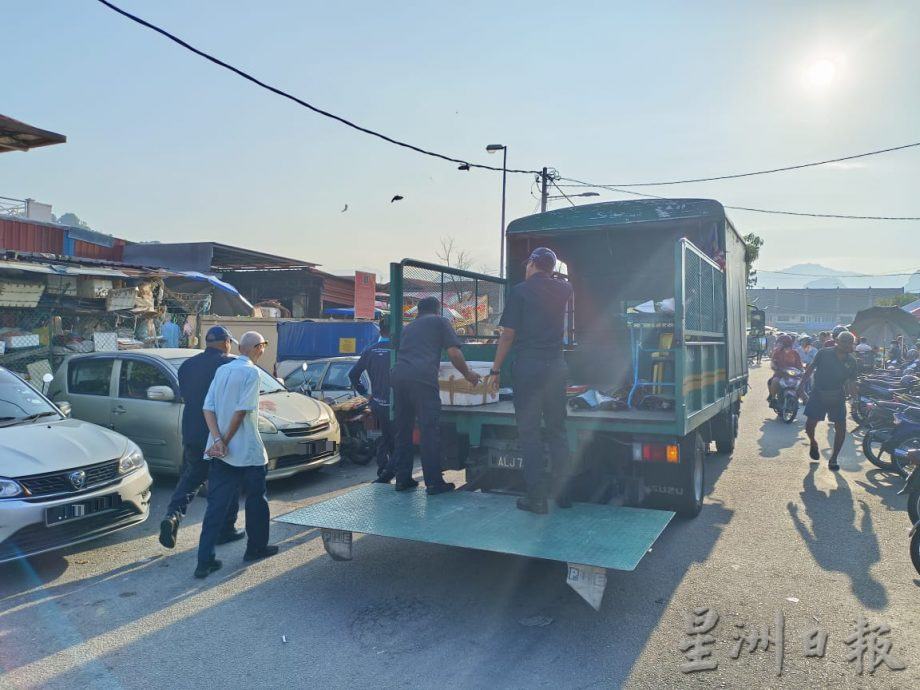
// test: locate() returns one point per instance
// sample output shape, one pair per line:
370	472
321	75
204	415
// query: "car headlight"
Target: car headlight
133	459
10	488
266	426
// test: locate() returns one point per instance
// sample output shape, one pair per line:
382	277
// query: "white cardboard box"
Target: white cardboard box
14	342
456	390
93	288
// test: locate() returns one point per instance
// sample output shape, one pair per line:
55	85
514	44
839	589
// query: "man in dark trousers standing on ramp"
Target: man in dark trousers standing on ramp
533	322
375	360
416	394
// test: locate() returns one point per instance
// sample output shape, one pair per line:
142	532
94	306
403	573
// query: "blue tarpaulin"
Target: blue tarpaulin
315	339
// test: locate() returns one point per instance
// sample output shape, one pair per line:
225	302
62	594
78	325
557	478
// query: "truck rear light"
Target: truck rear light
655	452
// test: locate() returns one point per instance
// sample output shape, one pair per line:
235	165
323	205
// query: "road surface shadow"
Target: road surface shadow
835	542
775	435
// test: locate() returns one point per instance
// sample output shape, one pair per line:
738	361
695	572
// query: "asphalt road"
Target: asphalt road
777	534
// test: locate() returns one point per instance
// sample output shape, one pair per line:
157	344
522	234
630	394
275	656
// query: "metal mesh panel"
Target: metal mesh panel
472	302
704	288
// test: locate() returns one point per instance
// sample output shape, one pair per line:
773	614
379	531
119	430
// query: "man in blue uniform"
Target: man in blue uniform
533	322
195	376
375	360
416	394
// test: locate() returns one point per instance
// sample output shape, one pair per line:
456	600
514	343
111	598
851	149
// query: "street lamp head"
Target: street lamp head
589	194
492	148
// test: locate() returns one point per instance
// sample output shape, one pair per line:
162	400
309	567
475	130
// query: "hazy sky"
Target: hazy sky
163	145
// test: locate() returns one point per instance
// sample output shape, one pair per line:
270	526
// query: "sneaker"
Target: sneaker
205	569
264	552
407	485
813	452
532	504
169	529
234	535
385	477
442	488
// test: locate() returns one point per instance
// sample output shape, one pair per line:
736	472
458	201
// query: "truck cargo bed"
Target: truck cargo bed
506	408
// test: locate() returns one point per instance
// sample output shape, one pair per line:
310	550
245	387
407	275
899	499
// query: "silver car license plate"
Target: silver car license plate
81	509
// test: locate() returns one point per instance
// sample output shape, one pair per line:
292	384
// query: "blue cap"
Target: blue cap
544	258
217	333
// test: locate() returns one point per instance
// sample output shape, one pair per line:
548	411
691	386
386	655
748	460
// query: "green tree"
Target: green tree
897	301
73	220
752	245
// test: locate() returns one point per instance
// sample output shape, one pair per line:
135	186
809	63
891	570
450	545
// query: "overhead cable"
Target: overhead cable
299	101
751	174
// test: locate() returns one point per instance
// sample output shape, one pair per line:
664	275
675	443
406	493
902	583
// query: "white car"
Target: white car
62	481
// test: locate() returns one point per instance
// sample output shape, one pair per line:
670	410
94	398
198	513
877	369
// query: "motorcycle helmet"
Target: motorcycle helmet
909	381
784	341
911	355
805	340
837	331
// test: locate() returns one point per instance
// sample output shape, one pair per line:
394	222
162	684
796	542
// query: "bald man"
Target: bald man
237	455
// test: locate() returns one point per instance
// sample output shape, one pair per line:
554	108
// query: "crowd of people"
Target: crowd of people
222	444
831	364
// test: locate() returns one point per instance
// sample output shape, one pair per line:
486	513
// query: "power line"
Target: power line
757	172
758	210
433	154
295	99
761	271
561	192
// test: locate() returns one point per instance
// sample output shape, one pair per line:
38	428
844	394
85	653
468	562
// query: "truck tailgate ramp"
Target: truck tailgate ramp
590	538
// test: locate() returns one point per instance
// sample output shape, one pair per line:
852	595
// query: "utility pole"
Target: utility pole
544	190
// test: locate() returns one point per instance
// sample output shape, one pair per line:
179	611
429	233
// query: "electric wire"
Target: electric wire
761	210
299	101
553	177
750	174
562	193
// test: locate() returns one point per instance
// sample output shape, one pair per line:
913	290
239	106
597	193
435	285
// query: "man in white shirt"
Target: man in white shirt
237	455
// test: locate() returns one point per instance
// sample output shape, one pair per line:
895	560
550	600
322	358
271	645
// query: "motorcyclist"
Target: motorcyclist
806	349
784	357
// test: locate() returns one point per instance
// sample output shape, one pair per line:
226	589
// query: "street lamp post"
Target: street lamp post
492	148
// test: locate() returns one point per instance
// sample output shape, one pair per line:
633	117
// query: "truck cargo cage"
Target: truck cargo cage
473	302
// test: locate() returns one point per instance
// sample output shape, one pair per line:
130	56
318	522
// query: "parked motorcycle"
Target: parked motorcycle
912	488
786	403
904	439
353	415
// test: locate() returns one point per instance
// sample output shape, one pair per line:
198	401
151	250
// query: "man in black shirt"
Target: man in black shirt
416	395
375	360
195	376
534	323
835	370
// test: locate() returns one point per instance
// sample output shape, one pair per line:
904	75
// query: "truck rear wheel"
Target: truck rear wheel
724	431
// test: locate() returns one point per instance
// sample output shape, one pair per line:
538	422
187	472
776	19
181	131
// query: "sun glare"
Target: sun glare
821	73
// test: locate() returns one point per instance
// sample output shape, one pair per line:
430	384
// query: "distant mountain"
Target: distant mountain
817	276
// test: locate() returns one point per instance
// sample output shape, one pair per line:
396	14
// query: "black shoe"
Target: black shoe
205	569
442	488
228	537
833	467
564	500
384	477
169	528
813	452
264	552
534	505
406	486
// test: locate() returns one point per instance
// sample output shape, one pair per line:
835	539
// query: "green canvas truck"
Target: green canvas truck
655	333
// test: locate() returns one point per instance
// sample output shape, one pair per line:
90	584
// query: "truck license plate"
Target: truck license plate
506	461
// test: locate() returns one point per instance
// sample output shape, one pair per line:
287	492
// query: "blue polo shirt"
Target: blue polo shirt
375	360
419	355
195	376
536	311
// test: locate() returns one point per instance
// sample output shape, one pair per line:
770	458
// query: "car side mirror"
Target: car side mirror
161	393
64	407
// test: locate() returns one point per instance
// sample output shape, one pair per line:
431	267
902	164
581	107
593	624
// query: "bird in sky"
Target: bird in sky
396	198
345	209
464	166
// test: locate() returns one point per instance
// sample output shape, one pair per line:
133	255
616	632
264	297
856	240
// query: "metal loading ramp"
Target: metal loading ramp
589	538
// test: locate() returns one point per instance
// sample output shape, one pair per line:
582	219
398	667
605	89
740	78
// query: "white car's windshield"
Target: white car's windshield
267	384
19	402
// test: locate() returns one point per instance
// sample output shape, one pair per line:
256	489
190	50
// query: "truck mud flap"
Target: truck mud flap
588	538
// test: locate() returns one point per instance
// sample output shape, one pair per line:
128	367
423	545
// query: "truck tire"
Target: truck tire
680	487
724	432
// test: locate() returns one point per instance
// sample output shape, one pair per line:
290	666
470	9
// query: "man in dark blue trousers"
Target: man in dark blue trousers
375	360
195	376
534	323
416	396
